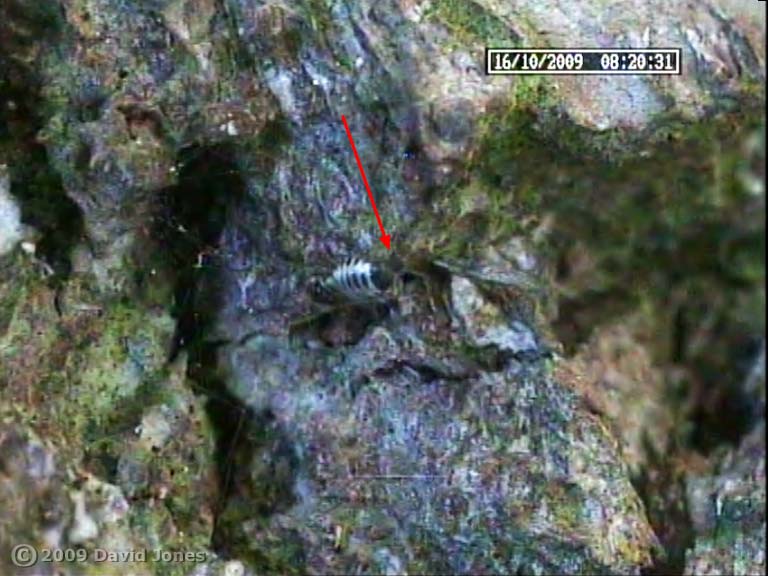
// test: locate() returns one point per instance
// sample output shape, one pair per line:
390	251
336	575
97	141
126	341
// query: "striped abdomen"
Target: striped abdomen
354	281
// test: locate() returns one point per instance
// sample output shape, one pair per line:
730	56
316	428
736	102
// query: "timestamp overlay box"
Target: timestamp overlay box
500	61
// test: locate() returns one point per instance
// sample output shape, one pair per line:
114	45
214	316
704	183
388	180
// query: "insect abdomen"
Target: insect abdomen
354	280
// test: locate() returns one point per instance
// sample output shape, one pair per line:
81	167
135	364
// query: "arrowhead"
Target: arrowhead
385	240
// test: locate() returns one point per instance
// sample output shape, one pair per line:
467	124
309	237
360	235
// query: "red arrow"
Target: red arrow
384	236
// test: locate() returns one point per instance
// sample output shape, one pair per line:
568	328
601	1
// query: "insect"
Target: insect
354	282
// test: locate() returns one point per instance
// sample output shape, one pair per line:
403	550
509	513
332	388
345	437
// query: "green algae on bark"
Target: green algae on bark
531	470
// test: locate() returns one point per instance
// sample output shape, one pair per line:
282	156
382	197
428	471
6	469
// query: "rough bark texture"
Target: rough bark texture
553	384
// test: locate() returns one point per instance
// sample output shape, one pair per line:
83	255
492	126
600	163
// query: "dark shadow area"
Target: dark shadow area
42	198
255	461
676	236
724	412
660	483
186	230
344	325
